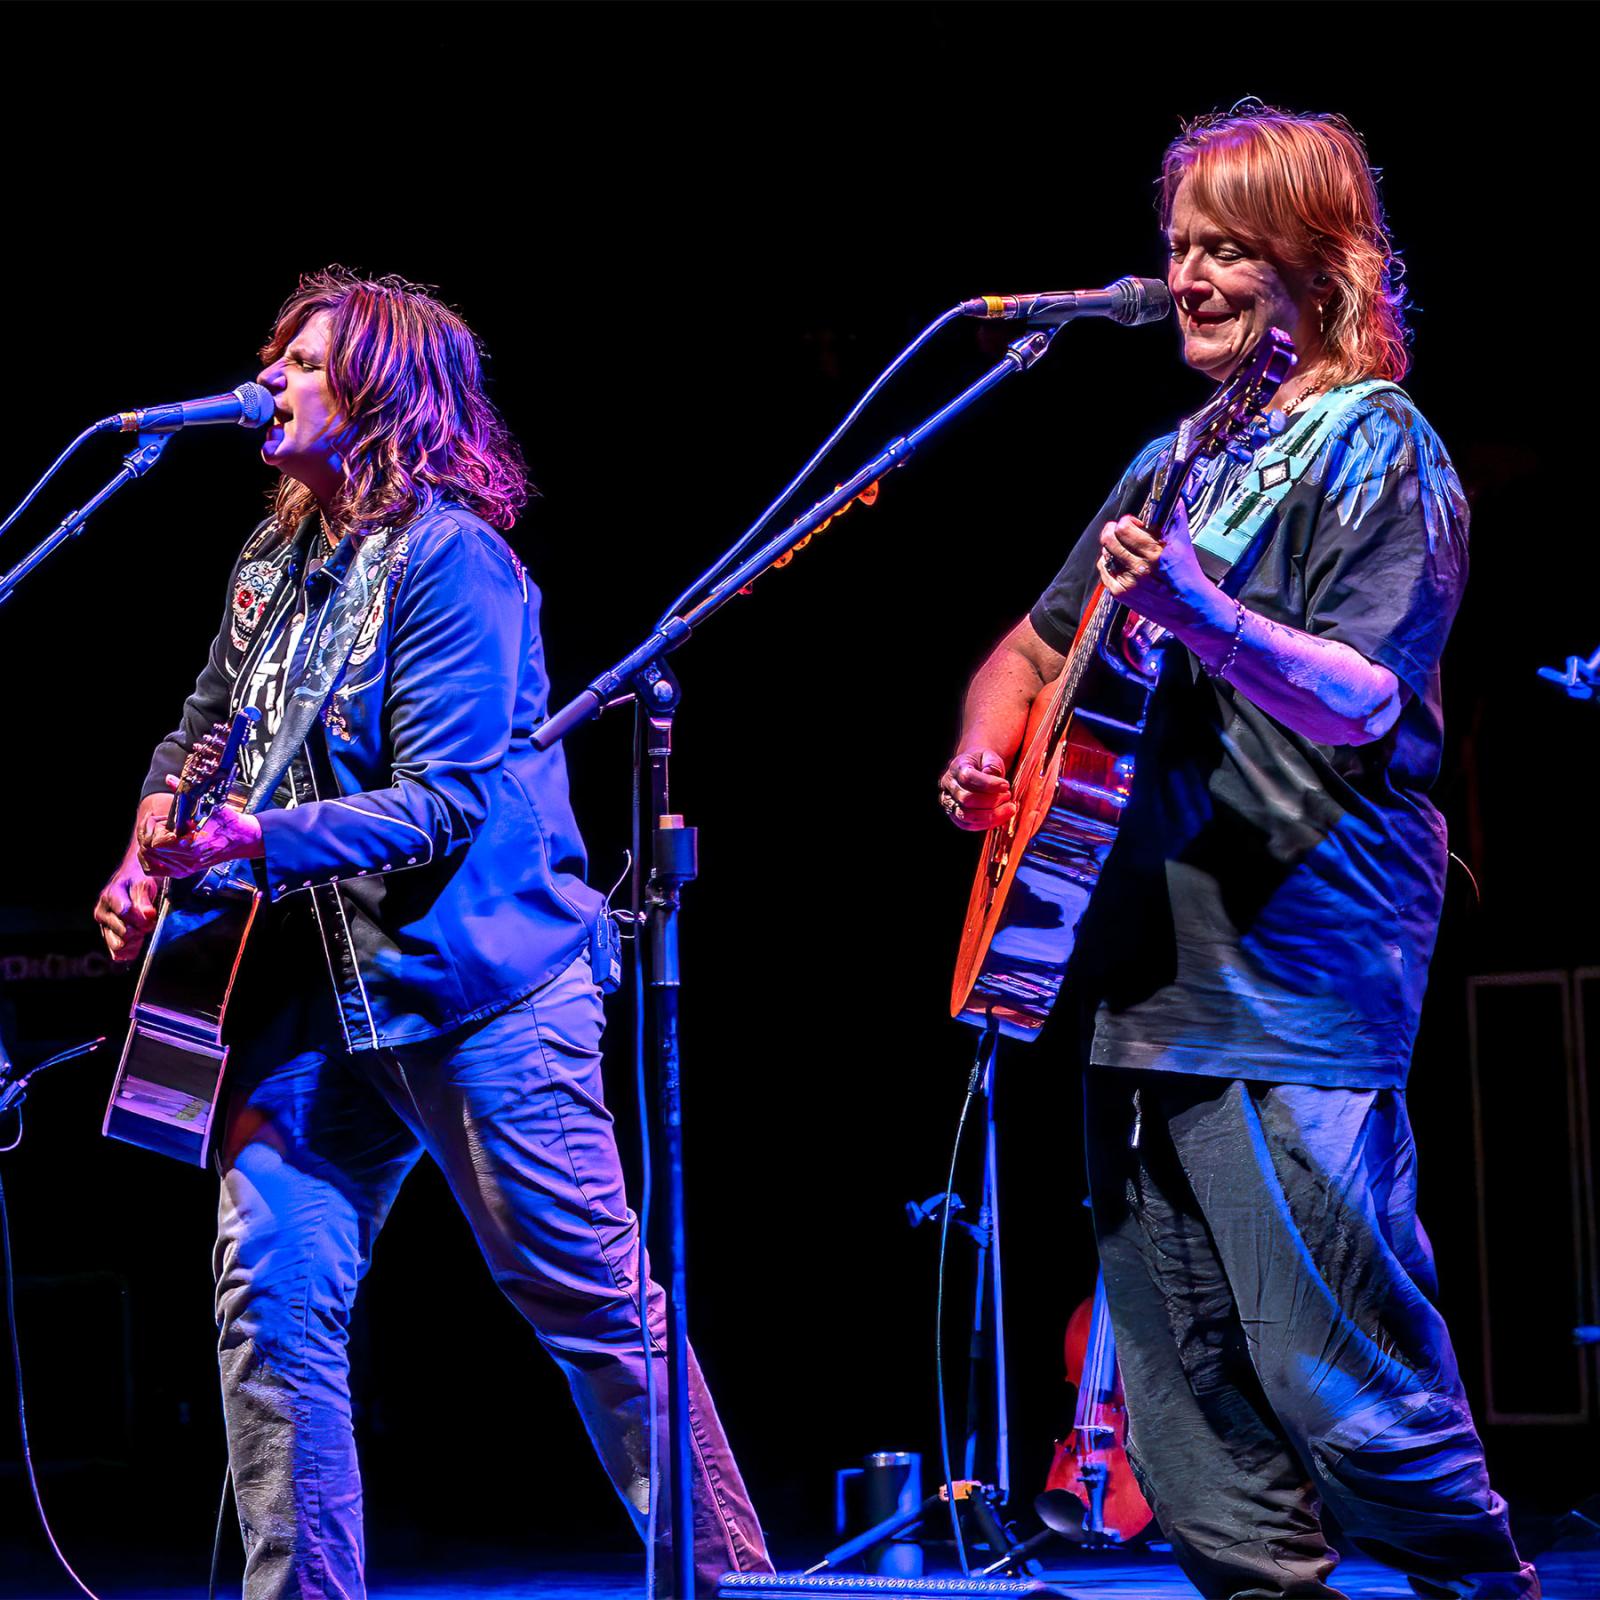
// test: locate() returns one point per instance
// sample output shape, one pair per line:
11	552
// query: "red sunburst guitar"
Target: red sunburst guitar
1075	772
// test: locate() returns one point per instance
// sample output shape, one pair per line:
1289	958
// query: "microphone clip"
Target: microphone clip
14	1085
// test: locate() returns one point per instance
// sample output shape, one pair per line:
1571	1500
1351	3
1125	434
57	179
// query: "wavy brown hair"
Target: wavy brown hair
406	373
1298	188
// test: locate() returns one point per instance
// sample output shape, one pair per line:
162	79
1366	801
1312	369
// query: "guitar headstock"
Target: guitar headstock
208	771
200	765
1240	405
1236	418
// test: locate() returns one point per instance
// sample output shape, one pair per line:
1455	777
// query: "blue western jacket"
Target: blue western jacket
436	844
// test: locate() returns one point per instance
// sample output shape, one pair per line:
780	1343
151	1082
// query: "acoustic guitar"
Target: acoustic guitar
170	1077
1075	772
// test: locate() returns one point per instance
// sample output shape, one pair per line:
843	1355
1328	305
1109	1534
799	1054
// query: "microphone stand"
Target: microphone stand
138	461
672	630
673	857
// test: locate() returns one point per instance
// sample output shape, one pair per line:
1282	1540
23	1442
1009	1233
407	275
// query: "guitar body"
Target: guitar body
170	1077
1074	775
169	1080
1036	875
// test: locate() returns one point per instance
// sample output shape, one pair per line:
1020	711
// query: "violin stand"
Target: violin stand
988	1343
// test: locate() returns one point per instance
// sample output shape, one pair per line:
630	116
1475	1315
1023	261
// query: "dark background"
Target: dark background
689	236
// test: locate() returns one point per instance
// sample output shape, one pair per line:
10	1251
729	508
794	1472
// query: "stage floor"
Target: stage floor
1566	1576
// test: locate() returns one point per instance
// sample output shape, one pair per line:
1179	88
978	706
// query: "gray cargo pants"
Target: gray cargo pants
1272	1294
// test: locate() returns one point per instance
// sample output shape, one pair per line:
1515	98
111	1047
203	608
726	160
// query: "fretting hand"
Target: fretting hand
1161	579
227	835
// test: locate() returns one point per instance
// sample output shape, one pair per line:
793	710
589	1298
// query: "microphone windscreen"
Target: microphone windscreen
258	405
1149	300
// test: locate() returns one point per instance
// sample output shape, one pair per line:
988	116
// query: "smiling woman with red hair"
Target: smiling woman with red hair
1298	189
1257	948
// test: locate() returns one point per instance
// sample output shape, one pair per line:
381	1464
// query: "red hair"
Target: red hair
1298	188
407	376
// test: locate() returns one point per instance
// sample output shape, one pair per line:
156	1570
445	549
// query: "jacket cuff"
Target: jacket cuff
294	859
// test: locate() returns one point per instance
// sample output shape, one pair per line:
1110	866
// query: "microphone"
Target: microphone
249	405
1130	301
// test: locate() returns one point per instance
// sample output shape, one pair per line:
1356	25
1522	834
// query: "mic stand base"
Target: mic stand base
976	1500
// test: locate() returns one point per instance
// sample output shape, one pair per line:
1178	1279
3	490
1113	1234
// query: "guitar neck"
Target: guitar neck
1166	489
1085	647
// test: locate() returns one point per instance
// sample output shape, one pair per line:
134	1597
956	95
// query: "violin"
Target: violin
1091	1463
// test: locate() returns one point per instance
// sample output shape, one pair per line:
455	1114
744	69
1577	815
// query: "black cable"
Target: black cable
50	472
22	1410
749	536
646	1169
973	1080
216	1537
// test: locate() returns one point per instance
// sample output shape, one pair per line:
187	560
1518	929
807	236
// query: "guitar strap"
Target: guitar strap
360	588
1274	470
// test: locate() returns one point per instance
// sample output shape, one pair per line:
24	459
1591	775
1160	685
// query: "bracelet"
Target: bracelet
1233	649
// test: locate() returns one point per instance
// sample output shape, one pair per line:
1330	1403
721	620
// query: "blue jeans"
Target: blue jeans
317	1144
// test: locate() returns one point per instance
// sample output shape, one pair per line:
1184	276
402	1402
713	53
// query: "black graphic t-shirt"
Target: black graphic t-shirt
266	690
1270	907
281	1001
